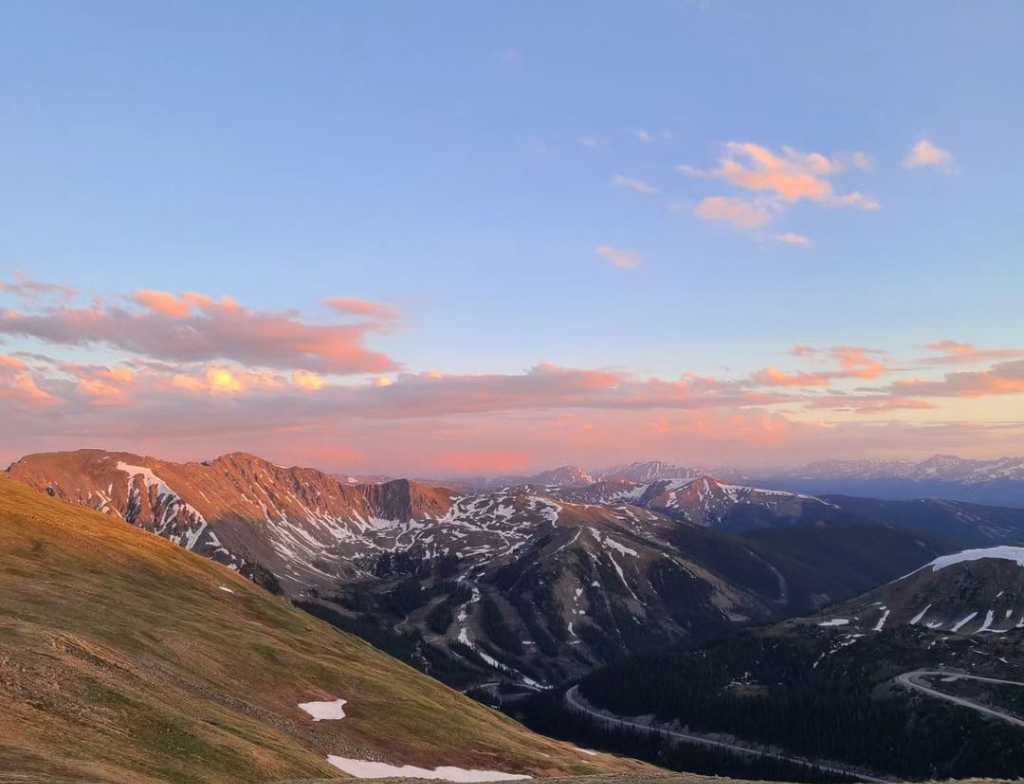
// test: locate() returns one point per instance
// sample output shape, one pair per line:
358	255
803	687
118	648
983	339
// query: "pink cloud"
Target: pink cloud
773	377
623	259
928	154
104	385
31	290
163	303
853	362
738	213
208	330
18	386
780	179
795	239
859	362
952	347
364	308
951	352
1003	378
790	176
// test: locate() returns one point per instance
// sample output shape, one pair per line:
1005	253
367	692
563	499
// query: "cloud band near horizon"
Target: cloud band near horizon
196	375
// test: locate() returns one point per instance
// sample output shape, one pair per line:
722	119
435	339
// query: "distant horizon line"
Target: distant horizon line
696	470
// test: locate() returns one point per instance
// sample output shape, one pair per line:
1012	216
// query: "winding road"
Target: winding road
576	702
907	680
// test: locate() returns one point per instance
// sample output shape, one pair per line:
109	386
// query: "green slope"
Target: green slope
123	660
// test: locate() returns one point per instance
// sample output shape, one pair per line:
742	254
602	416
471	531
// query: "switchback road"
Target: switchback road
910	681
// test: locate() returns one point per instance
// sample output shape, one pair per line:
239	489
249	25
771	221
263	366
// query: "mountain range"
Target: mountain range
532	584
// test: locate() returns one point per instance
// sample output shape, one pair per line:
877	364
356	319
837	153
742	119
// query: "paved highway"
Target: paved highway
576	702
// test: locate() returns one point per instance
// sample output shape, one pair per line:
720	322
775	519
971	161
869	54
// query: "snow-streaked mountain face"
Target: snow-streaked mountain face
648	471
566	476
972	592
537	581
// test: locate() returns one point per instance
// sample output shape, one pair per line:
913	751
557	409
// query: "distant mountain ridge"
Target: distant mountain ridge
937	467
995	482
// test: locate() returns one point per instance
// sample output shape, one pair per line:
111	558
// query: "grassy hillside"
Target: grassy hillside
123	659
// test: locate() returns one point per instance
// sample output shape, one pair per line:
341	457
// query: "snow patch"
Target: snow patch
990	616
365	769
881	621
325	711
917	618
964	621
835	622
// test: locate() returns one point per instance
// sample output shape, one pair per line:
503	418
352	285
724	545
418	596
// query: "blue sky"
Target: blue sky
464	162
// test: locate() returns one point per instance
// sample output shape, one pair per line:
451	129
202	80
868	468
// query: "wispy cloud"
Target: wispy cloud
926	154
363	308
623	259
1003	378
952	352
791	238
633	184
28	290
651	136
509	56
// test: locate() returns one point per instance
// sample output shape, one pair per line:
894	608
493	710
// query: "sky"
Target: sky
472	238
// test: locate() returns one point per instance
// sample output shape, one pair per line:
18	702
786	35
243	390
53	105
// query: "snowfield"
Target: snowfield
365	769
1004	552
324	711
